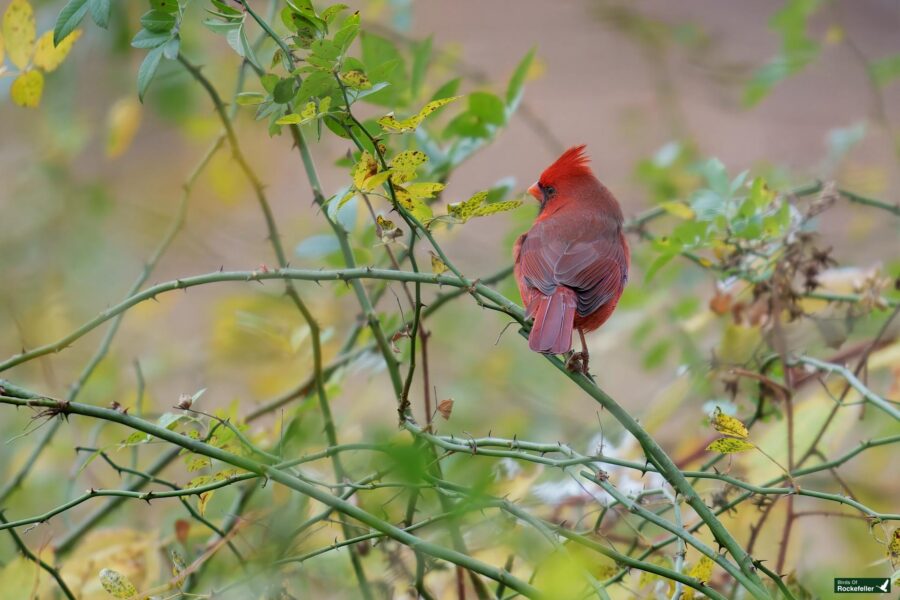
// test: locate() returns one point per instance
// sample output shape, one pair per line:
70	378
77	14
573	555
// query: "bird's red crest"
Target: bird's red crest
573	162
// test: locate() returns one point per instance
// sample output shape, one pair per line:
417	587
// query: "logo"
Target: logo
862	585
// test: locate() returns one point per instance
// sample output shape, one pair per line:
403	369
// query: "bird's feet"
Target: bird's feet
577	362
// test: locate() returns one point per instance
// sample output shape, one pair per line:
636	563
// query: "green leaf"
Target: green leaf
421	57
269	81
172	47
69	18
347	33
148	39
657	353
728	445
885	70
138	437
157	21
169	420
332	12
225	9
656	265
447	90
100	12
764	80
487	107
222	28
170	6
383	62
250	98
147	70
284	91
317	246
247	49
516	83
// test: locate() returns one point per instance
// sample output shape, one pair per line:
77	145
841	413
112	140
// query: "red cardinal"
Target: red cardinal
572	265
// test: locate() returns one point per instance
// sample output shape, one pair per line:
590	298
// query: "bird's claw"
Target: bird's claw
577	362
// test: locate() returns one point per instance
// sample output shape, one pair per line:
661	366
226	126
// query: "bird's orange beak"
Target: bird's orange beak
535	191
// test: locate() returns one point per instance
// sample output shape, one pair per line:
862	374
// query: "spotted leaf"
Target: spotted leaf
393	125
116	584
19	32
727	445
728	425
356	79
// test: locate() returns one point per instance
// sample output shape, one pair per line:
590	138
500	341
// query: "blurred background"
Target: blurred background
91	179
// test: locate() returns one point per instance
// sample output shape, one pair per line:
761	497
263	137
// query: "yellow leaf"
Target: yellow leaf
464	210
728	425
424	190
356	79
27	88
414	206
47	56
365	168
438	267
496	207
133	554
347	197
727	445
834	35
648	577
122	123
405	165
392	125
309	111
289	119
385	224
116	584
202	500
375	180
196	462
702	572
21	574
1	52
679	209
19	32
893	550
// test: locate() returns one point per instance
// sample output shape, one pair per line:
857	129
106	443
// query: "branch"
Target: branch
261	468
38	560
858	385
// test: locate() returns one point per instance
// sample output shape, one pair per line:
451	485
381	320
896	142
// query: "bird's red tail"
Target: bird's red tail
553	320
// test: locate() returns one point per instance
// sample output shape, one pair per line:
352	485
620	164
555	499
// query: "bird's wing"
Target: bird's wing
586	258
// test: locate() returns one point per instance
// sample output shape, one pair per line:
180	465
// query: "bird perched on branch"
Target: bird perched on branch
572	265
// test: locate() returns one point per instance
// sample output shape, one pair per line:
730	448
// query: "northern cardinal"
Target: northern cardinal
572	265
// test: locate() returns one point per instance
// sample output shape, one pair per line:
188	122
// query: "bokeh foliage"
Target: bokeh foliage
237	456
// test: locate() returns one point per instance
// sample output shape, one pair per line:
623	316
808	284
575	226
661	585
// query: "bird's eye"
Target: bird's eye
549	190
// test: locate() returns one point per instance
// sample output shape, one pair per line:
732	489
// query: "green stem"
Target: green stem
53	572
858	385
274	473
